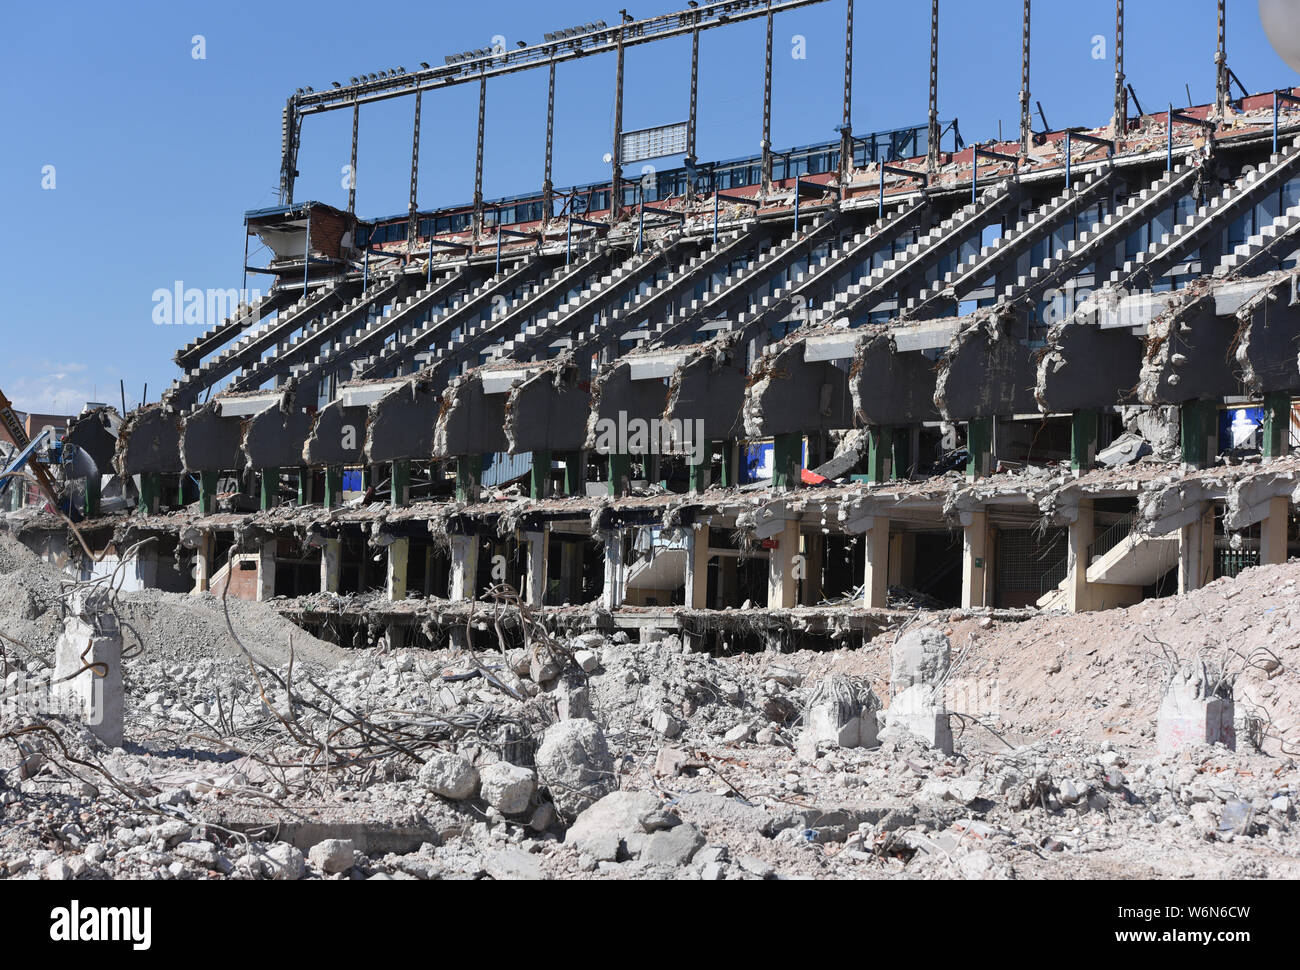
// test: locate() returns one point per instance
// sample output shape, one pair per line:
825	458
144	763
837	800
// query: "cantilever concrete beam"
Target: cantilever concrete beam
337	436
400	424
472	421
1187	352
211	442
801	385
891	387
149	442
547	410
629	389
276	437
988	370
1087	367
95	433
709	386
1267	332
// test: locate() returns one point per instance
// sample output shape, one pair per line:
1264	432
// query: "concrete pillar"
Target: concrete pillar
875	582
1277	424
615	572
1196	552
979	443
331	566
150	493
203	564
464	567
814	553
701	474
270	488
697	569
88	674
333	487
575	473
266	572
782	587
399	553
207	493
787	461
620	474
903	449
1082	533
540	479
469	477
1273	532
880	458
1199	430
539	548
974	559
399	484
305	490
1084	429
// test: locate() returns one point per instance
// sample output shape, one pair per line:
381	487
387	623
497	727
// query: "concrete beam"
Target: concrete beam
471	422
1187	350
1085	367
789	395
709	386
400	424
276	438
149	442
1268	332
987	370
619	398
548	410
211	442
337	436
891	387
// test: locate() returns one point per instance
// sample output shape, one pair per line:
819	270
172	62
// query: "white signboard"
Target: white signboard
654	143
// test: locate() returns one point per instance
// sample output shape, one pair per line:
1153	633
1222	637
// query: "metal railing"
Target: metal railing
1111	538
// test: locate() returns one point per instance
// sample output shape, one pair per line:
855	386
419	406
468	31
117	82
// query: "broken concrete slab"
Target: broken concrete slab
891	387
149	442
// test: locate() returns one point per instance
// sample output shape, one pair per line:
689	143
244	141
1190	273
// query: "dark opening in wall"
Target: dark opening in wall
938	566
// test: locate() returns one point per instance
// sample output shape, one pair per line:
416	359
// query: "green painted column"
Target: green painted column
270	488
207	492
1277	424
979	442
620	470
469	476
730	473
699	474
1198	421
787	460
878	454
540	478
575	474
1084	426
150	491
333	487
91	507
399	488
902	449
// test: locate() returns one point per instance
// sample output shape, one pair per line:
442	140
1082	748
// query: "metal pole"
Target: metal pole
695	91
548	189
568	241
846	130
498	269
1121	93
415	177
616	180
1069	156
1026	123
478	163
428	281
932	154
1222	90
797	180
306	257
1169	151
767	107
352	171
365	270
882	191
715	208
245	284
640	218
1275	110
975	177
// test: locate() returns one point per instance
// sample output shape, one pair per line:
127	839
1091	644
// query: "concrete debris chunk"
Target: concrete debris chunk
575	765
507	788
450	776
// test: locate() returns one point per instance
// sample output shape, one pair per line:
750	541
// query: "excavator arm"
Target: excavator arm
18	435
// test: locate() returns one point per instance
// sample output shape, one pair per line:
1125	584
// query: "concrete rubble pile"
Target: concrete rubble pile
601	757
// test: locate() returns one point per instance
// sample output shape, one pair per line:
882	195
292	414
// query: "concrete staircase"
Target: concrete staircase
184	392
1196	230
1276	243
191	355
941	298
887	279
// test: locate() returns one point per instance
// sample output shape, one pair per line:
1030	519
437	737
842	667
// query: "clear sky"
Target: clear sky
157	154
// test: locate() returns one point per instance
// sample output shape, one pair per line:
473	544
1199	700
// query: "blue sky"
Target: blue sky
156	154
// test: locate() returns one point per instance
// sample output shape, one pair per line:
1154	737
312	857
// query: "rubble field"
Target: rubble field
254	751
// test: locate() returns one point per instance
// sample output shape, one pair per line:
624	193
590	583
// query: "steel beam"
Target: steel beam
767	107
932	148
